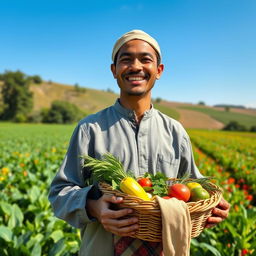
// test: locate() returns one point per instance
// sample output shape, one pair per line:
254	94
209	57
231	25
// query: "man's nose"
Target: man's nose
136	65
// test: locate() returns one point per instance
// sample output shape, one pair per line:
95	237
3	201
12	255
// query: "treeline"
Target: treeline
229	106
16	102
235	126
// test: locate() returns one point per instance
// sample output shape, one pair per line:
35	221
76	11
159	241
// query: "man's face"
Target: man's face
136	68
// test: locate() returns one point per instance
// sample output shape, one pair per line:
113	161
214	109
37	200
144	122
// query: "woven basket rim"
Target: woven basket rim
197	206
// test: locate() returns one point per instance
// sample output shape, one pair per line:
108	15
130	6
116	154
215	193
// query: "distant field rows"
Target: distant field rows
226	116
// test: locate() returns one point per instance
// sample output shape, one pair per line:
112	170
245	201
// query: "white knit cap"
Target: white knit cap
135	34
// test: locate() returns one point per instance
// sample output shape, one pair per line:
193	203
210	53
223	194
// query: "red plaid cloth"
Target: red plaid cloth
128	246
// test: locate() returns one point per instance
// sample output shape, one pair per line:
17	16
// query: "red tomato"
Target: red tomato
166	197
180	191
145	182
244	252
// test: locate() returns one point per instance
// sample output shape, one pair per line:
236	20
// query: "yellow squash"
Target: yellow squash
131	187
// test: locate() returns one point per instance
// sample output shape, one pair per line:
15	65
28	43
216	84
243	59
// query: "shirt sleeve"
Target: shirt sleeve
68	193
187	163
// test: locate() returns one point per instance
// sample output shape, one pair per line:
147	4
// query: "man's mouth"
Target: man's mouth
135	78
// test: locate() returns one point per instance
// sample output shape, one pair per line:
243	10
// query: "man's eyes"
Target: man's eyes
142	60
125	59
146	59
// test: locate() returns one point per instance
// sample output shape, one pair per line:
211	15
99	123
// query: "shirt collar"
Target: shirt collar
130	114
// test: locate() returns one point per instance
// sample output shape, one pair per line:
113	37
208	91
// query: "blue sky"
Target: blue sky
208	46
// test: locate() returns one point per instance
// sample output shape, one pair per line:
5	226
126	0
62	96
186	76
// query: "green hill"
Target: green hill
88	100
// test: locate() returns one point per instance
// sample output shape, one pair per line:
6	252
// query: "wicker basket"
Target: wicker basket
149	214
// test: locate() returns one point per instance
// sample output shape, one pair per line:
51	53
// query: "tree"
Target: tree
62	112
227	108
110	90
36	79
79	89
17	99
234	126
253	128
158	100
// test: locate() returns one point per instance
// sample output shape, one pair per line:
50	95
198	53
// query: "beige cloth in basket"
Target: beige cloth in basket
176	227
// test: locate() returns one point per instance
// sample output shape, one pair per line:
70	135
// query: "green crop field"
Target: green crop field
225	117
31	154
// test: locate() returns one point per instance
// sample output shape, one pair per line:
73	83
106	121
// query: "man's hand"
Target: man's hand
219	213
110	219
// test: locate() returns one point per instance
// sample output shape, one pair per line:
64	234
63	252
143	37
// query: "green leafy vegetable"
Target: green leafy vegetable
159	181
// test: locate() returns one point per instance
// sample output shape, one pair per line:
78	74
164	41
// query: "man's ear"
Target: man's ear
113	69
160	70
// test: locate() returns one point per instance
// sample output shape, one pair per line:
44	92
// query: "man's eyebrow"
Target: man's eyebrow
125	54
131	54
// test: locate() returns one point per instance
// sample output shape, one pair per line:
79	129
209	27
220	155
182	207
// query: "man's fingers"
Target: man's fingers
220	213
112	219
112	199
119	213
125	231
223	204
124	227
122	223
214	220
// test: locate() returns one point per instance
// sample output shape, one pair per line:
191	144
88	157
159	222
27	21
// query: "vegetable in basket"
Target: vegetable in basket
183	188
110	170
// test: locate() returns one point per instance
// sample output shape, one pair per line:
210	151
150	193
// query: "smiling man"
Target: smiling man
141	137
136	69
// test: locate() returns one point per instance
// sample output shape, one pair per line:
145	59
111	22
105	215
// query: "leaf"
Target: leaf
39	238
12	221
18	214
6	233
37	250
114	185
29	225
34	193
244	211
24	238
194	242
232	230
16	218
210	248
57	235
7	208
43	201
57	248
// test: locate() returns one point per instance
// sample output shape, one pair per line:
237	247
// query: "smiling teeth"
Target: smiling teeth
135	78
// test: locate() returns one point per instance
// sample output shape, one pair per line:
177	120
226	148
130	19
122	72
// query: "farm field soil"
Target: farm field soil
192	119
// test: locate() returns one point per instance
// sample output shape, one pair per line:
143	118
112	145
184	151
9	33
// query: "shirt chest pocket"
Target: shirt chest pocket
168	165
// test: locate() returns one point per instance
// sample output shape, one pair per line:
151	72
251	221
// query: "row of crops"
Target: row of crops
29	157
235	152
230	158
31	154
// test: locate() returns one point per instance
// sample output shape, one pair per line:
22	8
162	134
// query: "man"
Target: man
144	140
